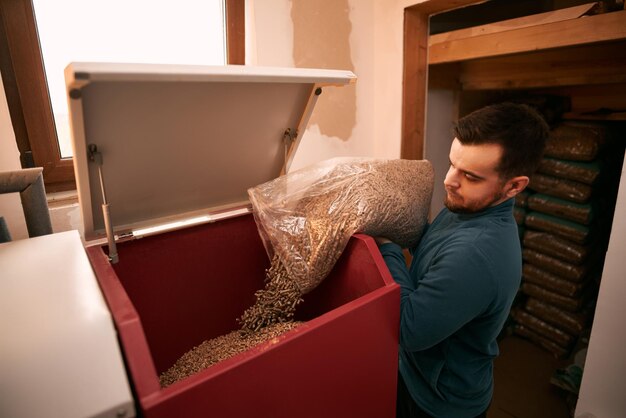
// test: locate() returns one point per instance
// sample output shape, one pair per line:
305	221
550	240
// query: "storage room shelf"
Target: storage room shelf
492	40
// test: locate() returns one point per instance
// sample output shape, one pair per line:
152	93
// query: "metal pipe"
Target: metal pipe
29	184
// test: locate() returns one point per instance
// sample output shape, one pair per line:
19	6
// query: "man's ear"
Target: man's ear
516	185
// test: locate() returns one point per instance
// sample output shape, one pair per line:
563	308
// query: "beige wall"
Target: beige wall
364	36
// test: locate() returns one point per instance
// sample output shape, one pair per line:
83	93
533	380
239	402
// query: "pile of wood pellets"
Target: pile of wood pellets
271	316
221	348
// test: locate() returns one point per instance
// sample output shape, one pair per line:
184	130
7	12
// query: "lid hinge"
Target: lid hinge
292	137
96	157
289	138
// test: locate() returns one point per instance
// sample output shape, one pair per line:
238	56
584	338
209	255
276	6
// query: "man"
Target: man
466	270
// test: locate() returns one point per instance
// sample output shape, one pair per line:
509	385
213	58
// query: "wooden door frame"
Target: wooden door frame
415	71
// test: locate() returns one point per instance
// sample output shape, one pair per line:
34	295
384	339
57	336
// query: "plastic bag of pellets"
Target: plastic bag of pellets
305	218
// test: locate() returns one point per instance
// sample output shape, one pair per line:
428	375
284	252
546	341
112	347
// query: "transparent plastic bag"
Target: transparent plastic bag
307	217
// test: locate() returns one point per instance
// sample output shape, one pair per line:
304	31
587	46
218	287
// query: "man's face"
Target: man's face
472	182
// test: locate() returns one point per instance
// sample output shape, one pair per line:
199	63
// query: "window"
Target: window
37	104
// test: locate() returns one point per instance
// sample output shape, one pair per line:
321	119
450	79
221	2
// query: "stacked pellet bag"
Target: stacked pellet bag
305	220
567	213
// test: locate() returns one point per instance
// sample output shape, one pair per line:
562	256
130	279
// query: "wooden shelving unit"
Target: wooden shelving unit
562	52
501	39
568	51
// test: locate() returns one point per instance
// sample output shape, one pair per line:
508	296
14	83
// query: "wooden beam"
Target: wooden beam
590	29
13	96
414	84
415	71
431	7
580	65
518	23
590	98
236	32
445	76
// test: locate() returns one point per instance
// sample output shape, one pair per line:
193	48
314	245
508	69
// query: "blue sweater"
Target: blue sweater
455	298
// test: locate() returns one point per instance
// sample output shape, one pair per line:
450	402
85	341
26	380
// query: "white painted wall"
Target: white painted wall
602	388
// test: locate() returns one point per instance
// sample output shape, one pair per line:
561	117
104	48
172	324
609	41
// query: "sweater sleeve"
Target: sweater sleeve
457	287
394	258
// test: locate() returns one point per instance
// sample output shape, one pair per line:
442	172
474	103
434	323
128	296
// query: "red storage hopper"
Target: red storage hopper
165	143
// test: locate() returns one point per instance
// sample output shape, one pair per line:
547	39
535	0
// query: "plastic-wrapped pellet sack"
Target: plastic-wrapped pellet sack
561	268
538	276
581	172
521	199
563	228
553	298
565	189
519	214
306	217
575	141
549	345
577	212
560	337
573	323
555	246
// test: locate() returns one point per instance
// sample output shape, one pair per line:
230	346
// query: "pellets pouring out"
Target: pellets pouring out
305	220
275	303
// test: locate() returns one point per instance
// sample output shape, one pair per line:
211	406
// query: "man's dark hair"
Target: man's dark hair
518	128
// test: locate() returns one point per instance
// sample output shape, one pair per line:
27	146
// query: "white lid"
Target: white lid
178	141
59	355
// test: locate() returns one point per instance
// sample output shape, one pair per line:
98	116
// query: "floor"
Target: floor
522	382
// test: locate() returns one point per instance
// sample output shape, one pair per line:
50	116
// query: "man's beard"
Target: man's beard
473	207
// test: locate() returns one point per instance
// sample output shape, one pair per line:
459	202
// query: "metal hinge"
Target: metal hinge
289	138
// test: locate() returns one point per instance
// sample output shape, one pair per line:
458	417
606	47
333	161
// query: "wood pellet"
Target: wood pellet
221	348
271	316
276	303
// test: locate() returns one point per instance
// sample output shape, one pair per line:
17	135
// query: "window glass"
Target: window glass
133	31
